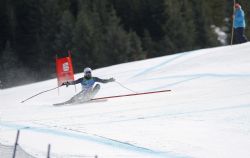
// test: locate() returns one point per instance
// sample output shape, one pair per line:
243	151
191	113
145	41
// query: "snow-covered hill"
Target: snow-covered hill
206	115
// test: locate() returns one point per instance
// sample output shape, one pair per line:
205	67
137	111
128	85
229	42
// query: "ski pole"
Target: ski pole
40	93
232	31
125	87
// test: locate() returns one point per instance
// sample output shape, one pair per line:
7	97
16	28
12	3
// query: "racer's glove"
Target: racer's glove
66	84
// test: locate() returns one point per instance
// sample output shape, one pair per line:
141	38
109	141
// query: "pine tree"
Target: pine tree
99	38
148	44
82	37
64	38
116	40
8	23
50	14
8	64
205	36
136	52
27	27
179	27
3	22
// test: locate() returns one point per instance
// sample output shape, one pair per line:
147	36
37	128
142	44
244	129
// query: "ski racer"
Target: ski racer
88	88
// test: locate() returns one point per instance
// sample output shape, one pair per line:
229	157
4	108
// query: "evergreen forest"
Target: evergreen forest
104	32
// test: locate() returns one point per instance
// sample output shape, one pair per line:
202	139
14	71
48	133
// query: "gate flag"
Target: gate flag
64	70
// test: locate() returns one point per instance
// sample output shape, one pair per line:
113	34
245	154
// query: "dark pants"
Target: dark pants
239	35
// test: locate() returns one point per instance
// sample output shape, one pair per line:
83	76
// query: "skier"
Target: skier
239	24
87	82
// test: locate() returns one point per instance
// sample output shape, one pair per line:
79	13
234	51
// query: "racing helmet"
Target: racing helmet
87	72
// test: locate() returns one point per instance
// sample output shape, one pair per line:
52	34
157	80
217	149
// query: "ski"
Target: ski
63	103
132	94
81	102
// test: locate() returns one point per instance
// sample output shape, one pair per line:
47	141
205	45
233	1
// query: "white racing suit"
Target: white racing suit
88	89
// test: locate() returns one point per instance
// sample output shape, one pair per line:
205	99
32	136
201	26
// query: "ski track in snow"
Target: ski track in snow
186	78
148	70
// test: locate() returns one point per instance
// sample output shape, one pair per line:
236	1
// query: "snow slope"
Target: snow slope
206	115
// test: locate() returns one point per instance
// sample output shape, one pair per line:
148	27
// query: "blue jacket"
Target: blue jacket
239	18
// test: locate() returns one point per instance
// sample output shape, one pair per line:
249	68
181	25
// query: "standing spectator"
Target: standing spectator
239	24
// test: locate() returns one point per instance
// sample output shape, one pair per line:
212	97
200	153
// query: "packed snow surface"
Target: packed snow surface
206	114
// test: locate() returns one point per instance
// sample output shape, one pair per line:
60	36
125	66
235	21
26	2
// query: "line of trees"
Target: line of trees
102	32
